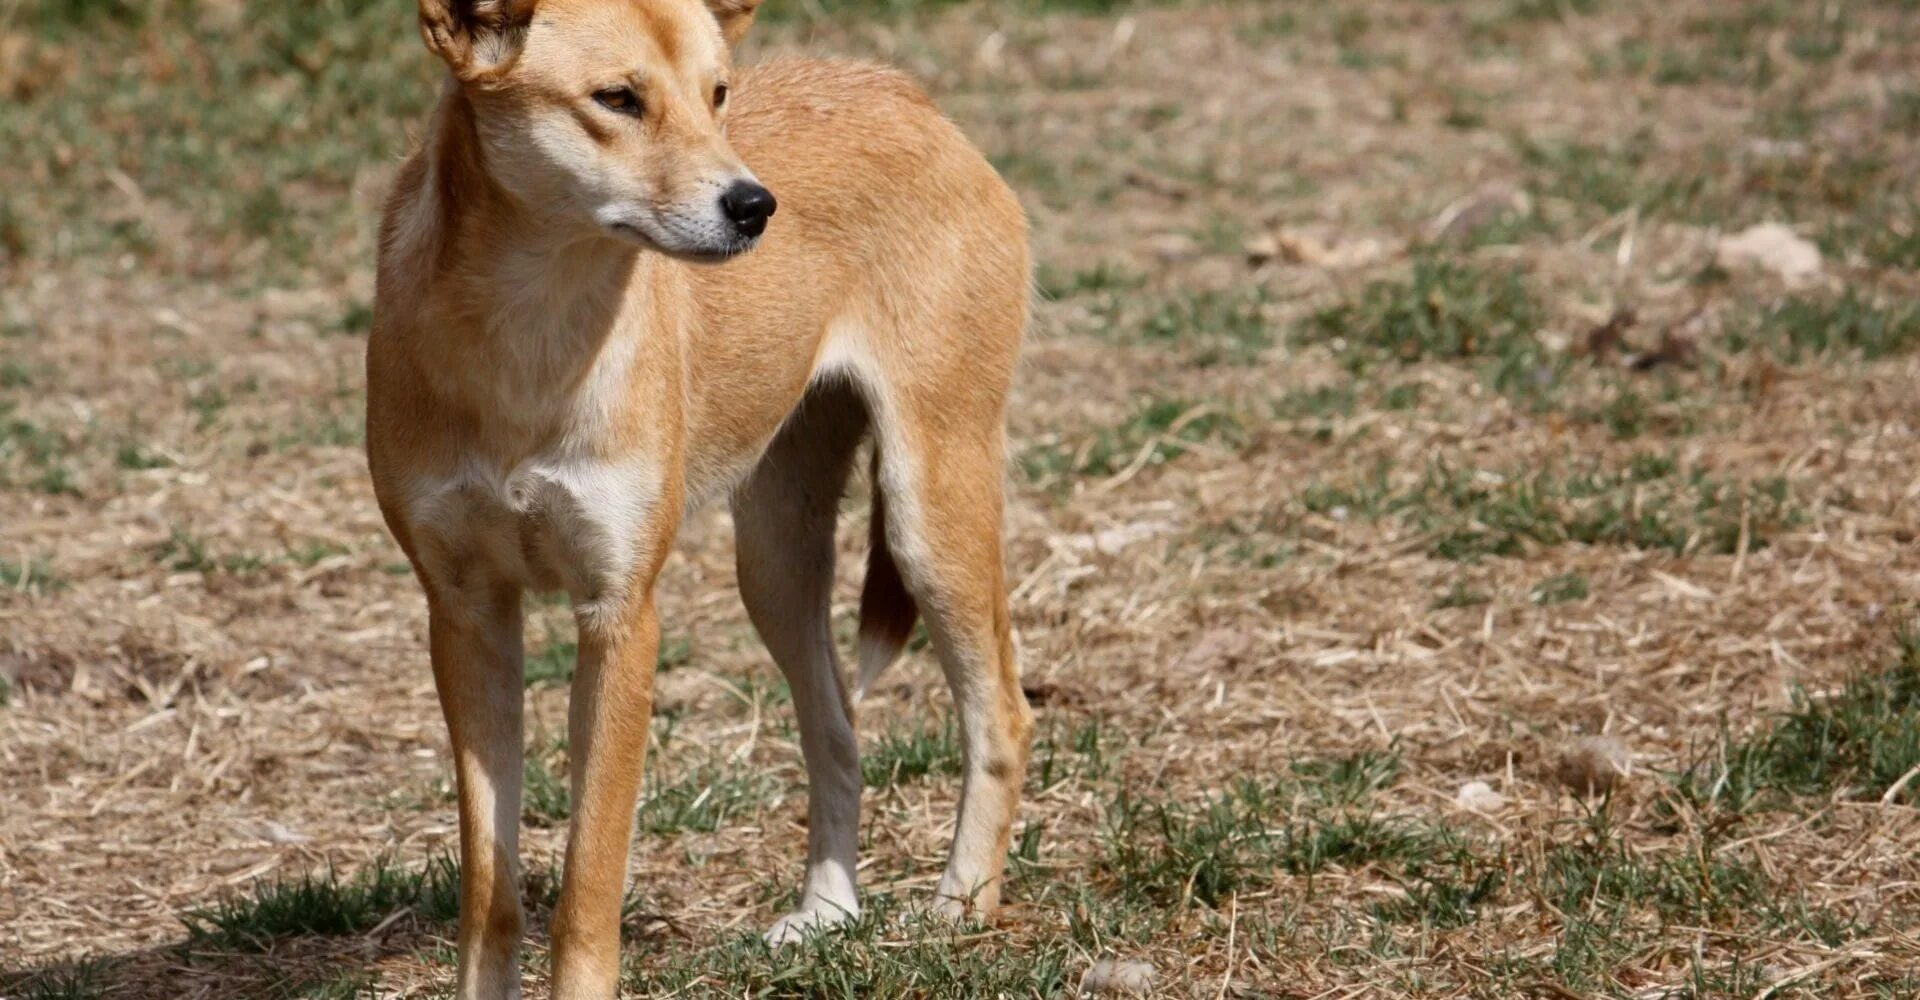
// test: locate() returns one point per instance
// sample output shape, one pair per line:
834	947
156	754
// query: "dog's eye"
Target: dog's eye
719	95
620	100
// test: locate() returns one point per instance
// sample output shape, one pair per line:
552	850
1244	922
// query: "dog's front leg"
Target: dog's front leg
611	709
477	663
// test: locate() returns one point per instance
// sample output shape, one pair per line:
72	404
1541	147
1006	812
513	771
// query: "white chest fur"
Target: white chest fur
554	522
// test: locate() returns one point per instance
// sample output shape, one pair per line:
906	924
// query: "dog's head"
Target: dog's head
609	112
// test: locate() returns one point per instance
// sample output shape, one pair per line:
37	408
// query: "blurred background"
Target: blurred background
1462	525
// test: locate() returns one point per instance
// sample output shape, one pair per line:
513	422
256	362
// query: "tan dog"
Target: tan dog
562	366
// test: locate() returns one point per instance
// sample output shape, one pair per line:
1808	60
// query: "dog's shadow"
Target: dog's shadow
385	931
333	968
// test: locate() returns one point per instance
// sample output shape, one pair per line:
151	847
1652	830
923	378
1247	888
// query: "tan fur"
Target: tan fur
553	381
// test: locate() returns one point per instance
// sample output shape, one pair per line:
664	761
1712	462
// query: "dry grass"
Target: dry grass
1319	518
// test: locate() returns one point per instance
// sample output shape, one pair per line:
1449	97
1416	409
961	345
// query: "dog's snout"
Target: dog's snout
748	206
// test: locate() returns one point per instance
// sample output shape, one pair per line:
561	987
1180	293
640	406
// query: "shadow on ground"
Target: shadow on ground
317	967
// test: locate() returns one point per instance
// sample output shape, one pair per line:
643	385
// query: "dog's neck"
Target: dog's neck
534	302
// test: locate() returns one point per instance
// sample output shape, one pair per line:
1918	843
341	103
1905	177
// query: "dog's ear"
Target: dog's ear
735	17
476	38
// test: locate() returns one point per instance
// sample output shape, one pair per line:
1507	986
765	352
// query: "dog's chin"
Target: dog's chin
691	253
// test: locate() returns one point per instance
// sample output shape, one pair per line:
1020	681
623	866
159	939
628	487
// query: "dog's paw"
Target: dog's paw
949	910
818	919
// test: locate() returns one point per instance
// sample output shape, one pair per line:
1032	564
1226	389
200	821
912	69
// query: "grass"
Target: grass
182	551
1605	898
1858	743
82	980
545	794
344	986
1103	278
884	953
1651	503
909	754
1850	325
1213	327
1159	431
1602	180
227	128
30	574
327	904
1446	310
703	800
34	456
1560	589
1300	822
1461	595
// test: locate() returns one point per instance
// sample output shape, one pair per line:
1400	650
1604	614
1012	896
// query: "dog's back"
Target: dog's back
898	252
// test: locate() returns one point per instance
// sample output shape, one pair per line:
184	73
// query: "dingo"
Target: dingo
573	346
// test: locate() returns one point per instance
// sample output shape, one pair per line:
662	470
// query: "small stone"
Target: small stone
1478	796
1174	247
1774	247
1594	765
1261	248
1112	977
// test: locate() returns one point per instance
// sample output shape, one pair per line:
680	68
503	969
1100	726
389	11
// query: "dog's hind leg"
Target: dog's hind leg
783	520
943	479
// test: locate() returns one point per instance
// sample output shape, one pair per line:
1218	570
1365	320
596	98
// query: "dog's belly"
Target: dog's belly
577	526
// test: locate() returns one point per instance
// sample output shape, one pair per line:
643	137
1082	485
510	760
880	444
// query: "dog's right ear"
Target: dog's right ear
735	17
476	38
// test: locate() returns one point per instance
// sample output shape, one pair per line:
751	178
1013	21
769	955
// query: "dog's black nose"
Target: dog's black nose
748	205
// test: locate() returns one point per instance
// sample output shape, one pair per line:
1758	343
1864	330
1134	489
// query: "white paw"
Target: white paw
814	919
949	909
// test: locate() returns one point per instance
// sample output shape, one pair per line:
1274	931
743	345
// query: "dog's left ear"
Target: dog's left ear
735	17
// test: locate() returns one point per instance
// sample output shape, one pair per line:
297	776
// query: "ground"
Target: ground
1442	566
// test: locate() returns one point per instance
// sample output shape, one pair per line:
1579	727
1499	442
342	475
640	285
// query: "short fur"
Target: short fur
559	370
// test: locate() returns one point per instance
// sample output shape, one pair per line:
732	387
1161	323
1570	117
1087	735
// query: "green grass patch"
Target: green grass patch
1597	181
545	791
1444	310
86	979
1104	278
33	456
910	754
1259	541
1650	504
1159	431
1299	822
328	904
1560	589
1856	743
249	130
1212	327
704	799
1460	595
31	574
1851	324
341	986
1091	750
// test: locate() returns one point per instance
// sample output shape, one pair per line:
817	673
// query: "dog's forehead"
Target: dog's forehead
634	34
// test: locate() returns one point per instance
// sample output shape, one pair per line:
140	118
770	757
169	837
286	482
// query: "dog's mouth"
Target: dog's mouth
719	255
